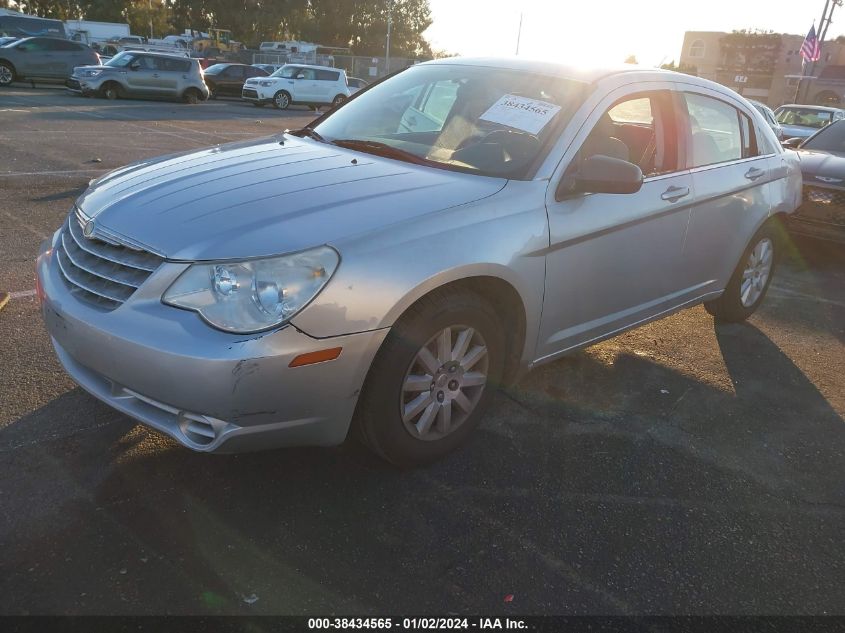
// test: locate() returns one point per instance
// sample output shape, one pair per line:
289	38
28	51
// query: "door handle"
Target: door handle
754	173
673	194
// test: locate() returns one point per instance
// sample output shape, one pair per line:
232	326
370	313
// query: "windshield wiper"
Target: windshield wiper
309	132
382	149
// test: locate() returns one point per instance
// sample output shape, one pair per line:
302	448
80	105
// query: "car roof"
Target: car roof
313	66
579	73
805	106
159	54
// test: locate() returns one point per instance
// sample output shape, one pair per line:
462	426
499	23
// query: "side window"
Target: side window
639	129
327	75
307	73
749	137
439	100
716	133
67	46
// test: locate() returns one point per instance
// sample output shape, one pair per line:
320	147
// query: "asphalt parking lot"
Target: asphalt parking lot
682	468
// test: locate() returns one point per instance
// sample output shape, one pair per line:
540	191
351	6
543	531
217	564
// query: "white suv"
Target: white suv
298	84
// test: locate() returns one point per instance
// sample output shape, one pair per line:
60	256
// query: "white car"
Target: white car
298	84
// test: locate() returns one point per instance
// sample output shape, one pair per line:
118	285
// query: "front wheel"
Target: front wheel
750	281
7	74
432	379
281	100
110	91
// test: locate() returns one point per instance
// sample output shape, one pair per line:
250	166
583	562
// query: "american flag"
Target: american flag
811	50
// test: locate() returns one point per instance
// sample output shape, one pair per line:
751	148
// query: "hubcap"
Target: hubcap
756	273
282	101
5	75
444	383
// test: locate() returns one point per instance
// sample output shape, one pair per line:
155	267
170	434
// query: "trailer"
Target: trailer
89	32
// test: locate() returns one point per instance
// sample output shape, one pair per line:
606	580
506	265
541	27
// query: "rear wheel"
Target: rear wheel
338	100
7	74
191	96
432	379
281	100
110	91
750	281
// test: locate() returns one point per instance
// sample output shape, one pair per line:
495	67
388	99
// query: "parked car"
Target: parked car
142	74
227	80
298	84
355	84
268	68
36	58
769	117
387	268
822	213
801	121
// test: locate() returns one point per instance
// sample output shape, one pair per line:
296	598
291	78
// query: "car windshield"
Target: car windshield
804	116
121	60
287	72
488	121
830	139
216	68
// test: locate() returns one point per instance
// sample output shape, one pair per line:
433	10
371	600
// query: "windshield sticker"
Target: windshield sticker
521	113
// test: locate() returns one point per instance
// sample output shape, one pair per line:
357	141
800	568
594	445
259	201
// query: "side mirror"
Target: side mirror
300	76
602	174
792	143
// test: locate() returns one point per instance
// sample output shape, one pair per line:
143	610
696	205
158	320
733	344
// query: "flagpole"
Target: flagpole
820	38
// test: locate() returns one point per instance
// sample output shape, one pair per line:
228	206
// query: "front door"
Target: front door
613	258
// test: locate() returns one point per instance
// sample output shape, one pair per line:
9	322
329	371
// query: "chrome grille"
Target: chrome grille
102	273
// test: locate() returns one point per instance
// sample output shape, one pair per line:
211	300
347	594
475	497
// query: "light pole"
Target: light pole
150	8
387	47
519	33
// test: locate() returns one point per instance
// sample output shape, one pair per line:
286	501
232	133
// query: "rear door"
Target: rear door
328	85
167	75
731	175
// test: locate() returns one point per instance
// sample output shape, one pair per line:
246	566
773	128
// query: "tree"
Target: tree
687	69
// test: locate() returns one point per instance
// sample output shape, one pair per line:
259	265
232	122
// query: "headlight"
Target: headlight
265	84
91	73
253	295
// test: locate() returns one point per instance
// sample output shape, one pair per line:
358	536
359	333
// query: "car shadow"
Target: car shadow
602	483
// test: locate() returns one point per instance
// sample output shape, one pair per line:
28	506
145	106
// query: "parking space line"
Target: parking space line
802	295
29	228
52	173
22	294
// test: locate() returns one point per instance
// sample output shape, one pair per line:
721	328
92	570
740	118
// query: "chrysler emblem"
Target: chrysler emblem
828	179
88	229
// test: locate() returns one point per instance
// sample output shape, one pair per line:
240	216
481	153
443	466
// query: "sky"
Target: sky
607	31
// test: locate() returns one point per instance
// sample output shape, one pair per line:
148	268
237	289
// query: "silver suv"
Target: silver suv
142	74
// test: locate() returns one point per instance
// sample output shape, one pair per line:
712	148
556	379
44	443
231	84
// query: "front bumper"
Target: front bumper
83	85
209	390
821	214
257	94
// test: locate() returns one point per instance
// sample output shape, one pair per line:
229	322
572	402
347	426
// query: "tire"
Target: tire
7	74
110	90
751	278
281	100
338	100
212	92
426	434
191	96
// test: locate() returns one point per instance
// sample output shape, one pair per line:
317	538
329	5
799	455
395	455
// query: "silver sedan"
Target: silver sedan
385	269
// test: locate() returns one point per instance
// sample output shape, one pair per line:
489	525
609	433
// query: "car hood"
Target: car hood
797	131
93	67
822	166
262	198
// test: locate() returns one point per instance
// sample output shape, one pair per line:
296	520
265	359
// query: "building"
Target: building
765	66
